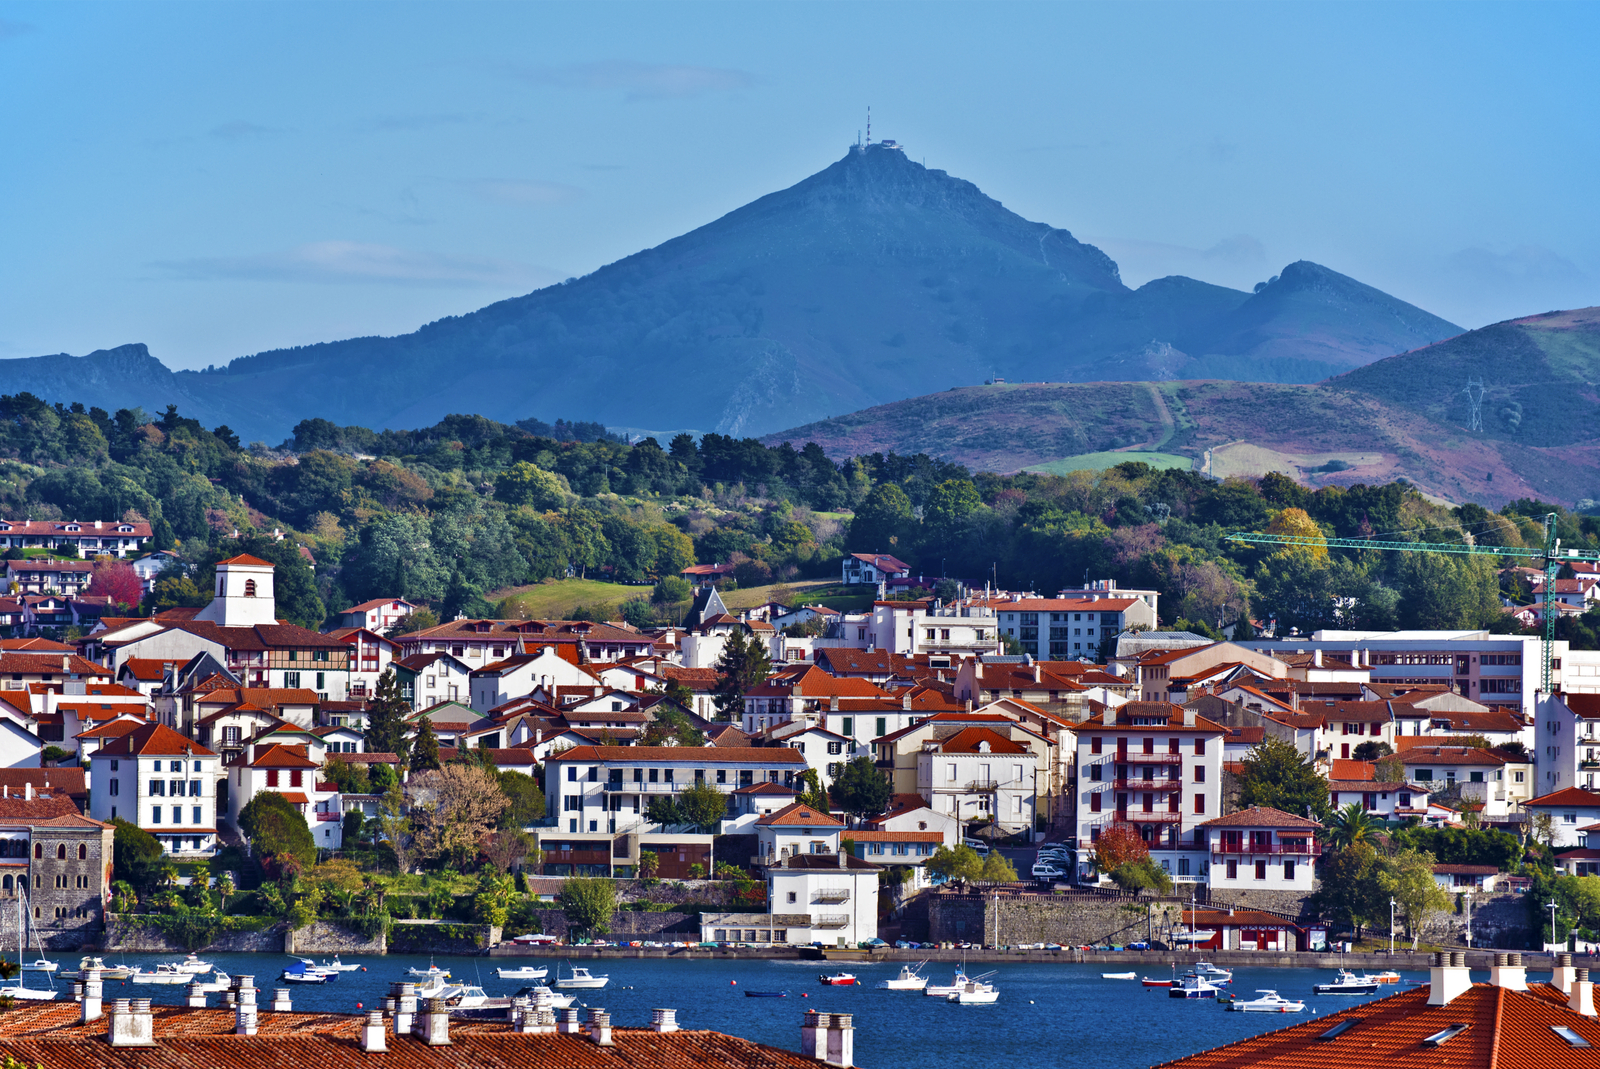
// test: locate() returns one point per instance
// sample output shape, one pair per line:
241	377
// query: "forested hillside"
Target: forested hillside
448	514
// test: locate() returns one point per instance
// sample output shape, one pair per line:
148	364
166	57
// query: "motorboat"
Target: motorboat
1209	972
1119	976
107	972
975	993
839	979
767	994
1386	977
192	964
523	972
580	977
1189	938
537	991
1147	982
1348	983
1192	986
41	965
464	996
1269	1002
166	973
429	973
222	982
330	966
301	973
946	990
910	979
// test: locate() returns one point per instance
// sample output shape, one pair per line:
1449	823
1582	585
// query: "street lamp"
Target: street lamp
1391	926
1551	906
1468	897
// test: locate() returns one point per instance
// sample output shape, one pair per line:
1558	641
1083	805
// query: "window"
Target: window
196	815
291	679
249	588
61	851
1094	774
1288	870
1149	745
114	765
1233	870
722	775
847	725
1094	744
155	814
272	779
572	773
1094	802
1199	803
791	896
835	747
883	726
1199	747
113	788
1199	773
194	788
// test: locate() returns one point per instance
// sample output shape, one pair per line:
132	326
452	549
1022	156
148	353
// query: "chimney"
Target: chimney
1581	999
663	1020
1562	976
93	1006
405	1006
1508	971
842	1042
130	1024
600	1027
66	664
905	701
195	995
27	791
374	1036
1448	978
245	1016
567	1022
1038	673
1316	658
281	1002
833	704
814	1035
436	1023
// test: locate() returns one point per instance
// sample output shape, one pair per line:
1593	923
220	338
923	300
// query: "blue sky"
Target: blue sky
219	179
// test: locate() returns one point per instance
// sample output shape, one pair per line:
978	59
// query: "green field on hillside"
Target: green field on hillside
1102	461
554	599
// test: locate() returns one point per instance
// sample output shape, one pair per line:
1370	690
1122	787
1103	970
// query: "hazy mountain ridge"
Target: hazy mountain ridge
873	280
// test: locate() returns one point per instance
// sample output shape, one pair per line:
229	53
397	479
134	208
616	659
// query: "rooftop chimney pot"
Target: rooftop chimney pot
814	1035
93	1005
600	1027
374	1036
842	1042
281	1003
1581	998
1563	975
130	1024
436	1023
663	1020
1448	978
567	1022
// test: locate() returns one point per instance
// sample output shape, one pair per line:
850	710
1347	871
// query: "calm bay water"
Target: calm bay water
1047	1014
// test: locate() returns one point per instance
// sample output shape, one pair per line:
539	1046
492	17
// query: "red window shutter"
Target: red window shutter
1094	802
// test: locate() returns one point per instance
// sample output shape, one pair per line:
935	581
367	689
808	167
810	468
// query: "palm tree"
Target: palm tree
1351	826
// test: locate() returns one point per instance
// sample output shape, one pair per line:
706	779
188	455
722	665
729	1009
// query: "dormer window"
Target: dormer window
125	529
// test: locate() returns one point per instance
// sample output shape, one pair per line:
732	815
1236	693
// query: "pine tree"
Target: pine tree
742	666
425	747
386	717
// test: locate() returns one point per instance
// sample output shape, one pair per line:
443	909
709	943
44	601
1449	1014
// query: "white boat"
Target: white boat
1347	983
1269	1002
18	990
165	973
1119	976
328	966
1190	938
41	965
910	979
523	972
107	972
975	993
1193	986
431	972
946	990
222	982
580	978
192	964
1209	972
464	996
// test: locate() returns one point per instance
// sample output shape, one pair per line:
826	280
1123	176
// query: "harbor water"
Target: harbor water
1047	1015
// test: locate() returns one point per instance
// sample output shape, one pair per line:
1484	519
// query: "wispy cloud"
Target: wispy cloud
642	81
361	262
9	29
239	130
529	194
389	124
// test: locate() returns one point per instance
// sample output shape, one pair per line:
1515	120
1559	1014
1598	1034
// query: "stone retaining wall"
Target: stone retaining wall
131	933
323	937
441	937
629	924
1066	919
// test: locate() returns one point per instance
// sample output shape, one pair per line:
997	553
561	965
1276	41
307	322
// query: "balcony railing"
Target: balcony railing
1158	786
326	817
831	895
981	786
1307	849
1139	816
831	920
1130	758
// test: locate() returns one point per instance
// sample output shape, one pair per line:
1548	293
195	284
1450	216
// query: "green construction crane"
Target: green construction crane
1551	554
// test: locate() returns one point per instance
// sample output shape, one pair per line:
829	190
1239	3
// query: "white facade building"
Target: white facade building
1262	849
164	783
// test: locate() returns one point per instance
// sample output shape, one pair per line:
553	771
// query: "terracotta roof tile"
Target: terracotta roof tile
1260	816
798	814
766	755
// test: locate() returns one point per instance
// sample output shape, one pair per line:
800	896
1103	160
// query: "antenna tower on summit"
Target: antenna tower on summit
869	124
1474	404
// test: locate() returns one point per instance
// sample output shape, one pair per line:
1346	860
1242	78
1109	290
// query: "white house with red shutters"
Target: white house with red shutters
1262	849
380	614
290	772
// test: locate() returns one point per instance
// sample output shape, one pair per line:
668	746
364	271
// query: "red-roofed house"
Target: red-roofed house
379	615
873	568
164	783
1076	628
290	772
1569	809
981	774
1262	849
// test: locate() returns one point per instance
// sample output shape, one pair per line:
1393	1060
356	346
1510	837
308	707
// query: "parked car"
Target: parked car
1044	870
977	844
868	944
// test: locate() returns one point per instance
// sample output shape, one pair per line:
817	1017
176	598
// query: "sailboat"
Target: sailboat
18	988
